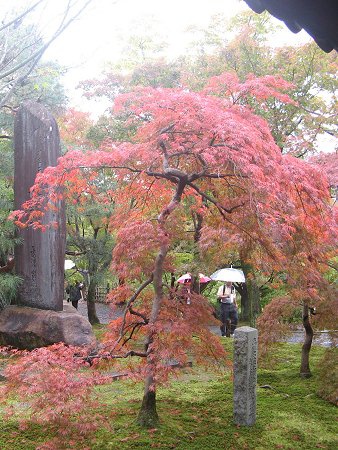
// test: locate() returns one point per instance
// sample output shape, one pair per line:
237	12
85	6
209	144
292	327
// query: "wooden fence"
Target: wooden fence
100	294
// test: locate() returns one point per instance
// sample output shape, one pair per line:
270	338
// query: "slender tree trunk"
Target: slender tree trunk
198	222
305	371
148	416
254	301
245	307
253	295
91	307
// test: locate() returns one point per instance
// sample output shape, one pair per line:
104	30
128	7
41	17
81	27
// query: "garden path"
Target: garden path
105	315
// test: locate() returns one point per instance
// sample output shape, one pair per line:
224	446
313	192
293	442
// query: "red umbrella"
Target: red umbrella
187	277
203	278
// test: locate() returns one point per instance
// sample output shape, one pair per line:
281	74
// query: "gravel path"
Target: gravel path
103	311
105	315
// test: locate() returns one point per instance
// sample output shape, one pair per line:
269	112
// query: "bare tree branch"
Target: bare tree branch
128	306
38	53
221	208
21	16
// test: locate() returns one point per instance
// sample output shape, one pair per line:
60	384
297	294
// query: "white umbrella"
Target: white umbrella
69	264
228	274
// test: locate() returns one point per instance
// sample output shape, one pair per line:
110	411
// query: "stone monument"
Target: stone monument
38	318
245	375
39	260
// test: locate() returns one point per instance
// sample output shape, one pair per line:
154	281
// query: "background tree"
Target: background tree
89	241
329	164
240	45
90	244
74	127
23	44
142	63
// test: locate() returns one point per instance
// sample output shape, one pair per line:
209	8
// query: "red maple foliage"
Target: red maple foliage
206	153
73	126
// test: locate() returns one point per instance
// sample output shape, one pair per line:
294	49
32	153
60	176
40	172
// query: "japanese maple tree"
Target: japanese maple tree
193	152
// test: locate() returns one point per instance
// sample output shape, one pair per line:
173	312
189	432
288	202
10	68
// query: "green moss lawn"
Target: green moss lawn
196	413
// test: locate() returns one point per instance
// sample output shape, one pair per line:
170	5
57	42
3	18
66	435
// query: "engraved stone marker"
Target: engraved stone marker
39	260
245	375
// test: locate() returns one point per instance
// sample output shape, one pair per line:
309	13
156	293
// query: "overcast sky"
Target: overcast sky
101	32
103	29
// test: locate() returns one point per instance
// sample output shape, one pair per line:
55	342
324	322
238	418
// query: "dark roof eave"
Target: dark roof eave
319	18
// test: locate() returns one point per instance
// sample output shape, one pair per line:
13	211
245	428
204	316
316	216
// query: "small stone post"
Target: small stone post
245	375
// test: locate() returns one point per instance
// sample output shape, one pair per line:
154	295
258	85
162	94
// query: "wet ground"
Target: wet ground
103	311
105	315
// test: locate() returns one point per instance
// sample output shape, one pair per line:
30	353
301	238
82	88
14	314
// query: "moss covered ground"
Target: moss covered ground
196	413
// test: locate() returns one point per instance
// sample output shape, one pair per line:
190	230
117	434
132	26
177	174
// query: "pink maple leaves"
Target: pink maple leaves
57	390
229	86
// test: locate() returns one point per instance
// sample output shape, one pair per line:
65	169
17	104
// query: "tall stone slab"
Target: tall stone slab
39	260
245	375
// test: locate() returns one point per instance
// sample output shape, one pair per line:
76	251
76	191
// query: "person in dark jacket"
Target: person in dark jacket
75	294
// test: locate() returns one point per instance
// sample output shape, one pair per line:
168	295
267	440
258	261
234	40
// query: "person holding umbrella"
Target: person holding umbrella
186	281
226	295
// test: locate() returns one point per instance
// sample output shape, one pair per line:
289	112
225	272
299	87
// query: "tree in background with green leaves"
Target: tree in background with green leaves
8	281
241	45
23	43
89	241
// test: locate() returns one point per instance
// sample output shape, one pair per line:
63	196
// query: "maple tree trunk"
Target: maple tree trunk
148	416
91	307
198	223
305	371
